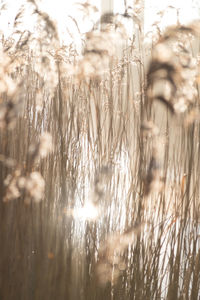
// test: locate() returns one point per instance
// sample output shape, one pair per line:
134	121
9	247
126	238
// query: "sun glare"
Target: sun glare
88	212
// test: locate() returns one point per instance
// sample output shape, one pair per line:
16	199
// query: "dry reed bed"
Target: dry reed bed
104	131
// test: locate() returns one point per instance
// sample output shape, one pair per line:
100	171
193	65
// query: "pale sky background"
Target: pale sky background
60	9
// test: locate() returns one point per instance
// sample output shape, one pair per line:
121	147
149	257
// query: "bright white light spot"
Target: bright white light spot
88	212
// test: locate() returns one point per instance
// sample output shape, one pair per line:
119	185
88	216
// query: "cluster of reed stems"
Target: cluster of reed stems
99	163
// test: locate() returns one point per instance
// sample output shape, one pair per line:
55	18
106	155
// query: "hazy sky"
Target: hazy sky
60	9
188	10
